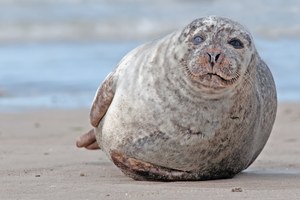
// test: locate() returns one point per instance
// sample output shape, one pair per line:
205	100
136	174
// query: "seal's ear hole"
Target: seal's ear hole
236	43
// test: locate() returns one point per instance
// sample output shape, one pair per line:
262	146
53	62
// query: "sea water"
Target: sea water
55	54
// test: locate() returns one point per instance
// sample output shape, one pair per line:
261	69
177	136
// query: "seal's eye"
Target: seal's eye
236	43
197	40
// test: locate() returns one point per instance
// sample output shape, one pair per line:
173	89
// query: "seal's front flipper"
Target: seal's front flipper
102	100
140	170
101	103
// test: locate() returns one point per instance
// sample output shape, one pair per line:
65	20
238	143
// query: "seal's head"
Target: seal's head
215	52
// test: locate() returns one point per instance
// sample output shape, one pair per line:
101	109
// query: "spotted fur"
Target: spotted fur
166	114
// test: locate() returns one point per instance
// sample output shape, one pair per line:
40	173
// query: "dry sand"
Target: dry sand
39	160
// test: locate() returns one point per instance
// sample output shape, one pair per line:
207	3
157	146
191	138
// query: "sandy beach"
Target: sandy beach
54	55
39	160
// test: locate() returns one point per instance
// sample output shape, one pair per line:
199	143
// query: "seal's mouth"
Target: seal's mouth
214	80
214	75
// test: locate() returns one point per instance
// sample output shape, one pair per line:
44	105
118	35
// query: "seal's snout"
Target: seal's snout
213	68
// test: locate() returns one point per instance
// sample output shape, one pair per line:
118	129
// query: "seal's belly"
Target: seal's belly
184	141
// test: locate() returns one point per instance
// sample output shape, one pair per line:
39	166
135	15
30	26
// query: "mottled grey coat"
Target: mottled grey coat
154	109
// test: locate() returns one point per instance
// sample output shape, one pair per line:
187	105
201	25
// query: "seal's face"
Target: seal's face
215	52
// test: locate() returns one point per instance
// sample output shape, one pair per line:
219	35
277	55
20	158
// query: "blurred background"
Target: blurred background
55	53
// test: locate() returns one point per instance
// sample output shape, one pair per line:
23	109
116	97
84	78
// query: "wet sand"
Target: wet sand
39	160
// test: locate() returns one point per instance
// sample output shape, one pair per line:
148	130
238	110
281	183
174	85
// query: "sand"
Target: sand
39	160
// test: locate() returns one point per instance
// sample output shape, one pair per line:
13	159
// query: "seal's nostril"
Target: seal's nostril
210	58
217	57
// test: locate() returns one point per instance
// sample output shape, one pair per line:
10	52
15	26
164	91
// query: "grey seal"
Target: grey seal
197	104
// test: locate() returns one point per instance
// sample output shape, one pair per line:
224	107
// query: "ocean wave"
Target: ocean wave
111	30
114	30
73	20
279	32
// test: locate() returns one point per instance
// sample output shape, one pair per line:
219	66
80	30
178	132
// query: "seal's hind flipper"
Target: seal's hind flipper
88	140
143	171
102	100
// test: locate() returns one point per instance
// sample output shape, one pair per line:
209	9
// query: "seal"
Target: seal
197	104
